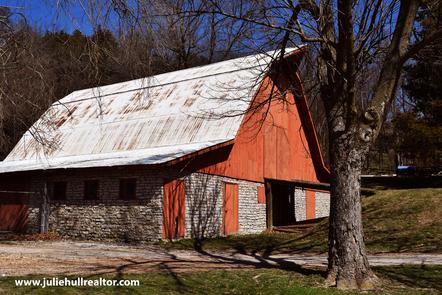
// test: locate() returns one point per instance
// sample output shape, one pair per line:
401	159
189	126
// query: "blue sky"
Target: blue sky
46	15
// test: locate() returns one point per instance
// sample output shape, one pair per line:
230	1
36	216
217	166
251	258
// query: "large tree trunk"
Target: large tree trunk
348	266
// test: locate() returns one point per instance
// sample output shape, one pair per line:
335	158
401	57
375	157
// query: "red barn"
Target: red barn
191	153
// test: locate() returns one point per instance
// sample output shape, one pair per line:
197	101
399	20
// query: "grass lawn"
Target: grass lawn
394	221
396	280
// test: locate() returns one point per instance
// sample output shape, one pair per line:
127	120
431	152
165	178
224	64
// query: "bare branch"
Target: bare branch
431	38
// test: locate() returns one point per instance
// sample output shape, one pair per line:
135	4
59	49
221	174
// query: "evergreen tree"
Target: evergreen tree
420	129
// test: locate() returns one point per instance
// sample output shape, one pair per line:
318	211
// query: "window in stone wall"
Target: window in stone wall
91	189
128	188
59	190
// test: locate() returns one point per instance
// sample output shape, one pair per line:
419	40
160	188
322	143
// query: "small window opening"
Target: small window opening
128	188
91	189
59	190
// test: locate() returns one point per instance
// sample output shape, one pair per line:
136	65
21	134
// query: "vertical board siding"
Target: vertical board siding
310	204
174	210
230	209
271	143
13	212
261	195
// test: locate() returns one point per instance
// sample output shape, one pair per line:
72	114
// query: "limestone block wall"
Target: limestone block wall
300	204
204	205
108	217
252	215
322	201
322	204
33	225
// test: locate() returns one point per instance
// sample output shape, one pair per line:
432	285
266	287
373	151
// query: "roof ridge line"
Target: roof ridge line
148	87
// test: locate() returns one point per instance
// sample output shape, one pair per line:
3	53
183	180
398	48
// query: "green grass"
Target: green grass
413	276
394	221
396	280
404	221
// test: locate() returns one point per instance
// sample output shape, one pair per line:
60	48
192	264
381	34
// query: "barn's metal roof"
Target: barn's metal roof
145	121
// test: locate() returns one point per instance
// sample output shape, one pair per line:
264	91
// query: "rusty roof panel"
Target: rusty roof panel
144	121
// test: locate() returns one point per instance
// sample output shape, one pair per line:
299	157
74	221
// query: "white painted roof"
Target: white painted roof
145	121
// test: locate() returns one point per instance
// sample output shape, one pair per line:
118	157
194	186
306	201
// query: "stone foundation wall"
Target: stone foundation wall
322	204
322	201
252	215
300	205
33	225
204	205
108	217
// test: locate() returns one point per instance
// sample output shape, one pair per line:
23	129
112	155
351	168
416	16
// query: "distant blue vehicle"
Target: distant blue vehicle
406	170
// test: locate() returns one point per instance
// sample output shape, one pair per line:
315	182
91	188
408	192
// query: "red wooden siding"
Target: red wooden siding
230	209
174	209
276	147
310	205
261	195
13	204
13	211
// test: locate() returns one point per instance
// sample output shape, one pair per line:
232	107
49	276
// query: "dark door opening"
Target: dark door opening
283	204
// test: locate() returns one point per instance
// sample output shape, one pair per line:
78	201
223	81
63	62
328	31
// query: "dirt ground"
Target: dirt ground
18	258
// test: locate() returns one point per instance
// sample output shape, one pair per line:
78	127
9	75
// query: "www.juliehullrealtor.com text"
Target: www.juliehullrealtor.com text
77	282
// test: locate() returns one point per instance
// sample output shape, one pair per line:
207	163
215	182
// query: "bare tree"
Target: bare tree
167	30
349	38
187	39
24	91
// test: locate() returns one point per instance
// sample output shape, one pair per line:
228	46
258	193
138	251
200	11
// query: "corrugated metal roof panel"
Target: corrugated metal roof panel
145	121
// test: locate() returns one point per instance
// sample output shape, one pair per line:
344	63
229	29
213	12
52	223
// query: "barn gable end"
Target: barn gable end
275	147
276	139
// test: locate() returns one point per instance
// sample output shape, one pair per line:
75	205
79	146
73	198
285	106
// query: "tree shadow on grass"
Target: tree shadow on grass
427	277
422	277
310	241
201	261
174	265
259	261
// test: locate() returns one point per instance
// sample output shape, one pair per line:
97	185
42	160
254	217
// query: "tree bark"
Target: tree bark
348	266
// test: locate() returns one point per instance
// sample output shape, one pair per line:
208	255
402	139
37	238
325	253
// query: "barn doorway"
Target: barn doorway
280	201
283	203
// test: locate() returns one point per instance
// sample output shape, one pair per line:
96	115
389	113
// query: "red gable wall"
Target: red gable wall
276	141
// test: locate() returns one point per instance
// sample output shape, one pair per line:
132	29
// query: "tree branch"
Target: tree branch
416	47
388	79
